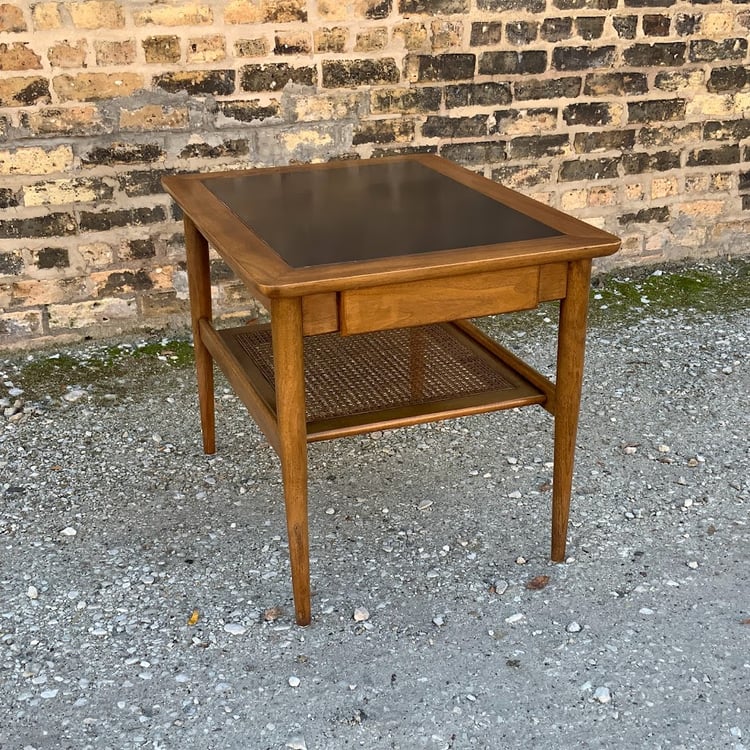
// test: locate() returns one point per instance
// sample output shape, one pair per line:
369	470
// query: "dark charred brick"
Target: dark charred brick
512	63
403	151
732	78
274	76
585	4
707	50
8	198
484	152
161	49
486	33
535	88
625	26
521	32
590	27
659	214
659	162
126	281
556	29
141	249
746	202
11	264
582	58
727	130
251	111
656	24
687	24
123	153
649	3
524	175
661	136
4	127
455	127
447	67
616	84
220	271
230	147
538	146
477	94
49	225
705	157
144	182
282	47
605	140
379	10
433	7
52	257
36	91
213	82
532	6
352	73
744	181
588	113
657	110
660	53
506	118
101	221
417	99
589	169
383	131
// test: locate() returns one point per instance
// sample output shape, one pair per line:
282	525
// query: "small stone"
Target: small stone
629	450
520	560
687	502
663	448
438	621
501	586
330	511
296	743
602	695
234	628
51	693
736	732
424	505
294	681
517	617
15	391
646	611
32	592
516	495
361	614
68	531
573	627
693	564
74	394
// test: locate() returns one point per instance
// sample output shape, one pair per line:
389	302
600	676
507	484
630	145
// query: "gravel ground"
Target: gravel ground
145	599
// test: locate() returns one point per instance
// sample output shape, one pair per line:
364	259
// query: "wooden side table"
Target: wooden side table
370	269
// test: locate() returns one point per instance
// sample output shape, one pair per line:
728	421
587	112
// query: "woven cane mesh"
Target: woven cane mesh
383	370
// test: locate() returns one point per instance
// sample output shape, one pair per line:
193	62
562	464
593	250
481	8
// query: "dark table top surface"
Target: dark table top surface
366	211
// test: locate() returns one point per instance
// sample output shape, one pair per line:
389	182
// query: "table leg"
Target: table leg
570	352
289	373
199	284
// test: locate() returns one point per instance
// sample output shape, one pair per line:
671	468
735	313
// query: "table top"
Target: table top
326	227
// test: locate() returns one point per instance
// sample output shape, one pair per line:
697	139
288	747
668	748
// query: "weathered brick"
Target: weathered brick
593	113
660	136
656	24
154	117
182	14
445	67
687	24
274	76
582	58
249	11
532	6
46	16
76	190
521	177
486	33
228	147
590	27
68	55
364	72
731	78
11	263
375	9
433	6
556	29
114	52
407	101
138	249
51	257
253	47
414	35
122	282
21	325
708	50
334	105
397	130
521	33
702	157
657	109
206	49
616	84
332	39
93	87
96	14
164	48
554	88
9	198
482	152
11	19
539	146
589	169
744	181
663	187
370	40
18	56
679	80
477	94
455	127
529	62
726	130
81	120
292	43
658	162
36	160
658	214
197	82
652	3
48	225
378	152
626	27
23	92
159	305
92	314
446	34
249	111
123	153
507	122
658	54
585	4
604	140
102	221
142	182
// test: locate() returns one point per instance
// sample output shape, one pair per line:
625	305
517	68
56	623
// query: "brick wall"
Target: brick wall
633	114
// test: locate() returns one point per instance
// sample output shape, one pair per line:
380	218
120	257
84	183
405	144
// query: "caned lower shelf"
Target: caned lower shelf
372	381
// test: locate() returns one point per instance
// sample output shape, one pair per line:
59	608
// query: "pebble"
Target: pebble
234	628
501	586
602	695
68	531
361	614
521	560
51	693
573	627
646	611
516	495
294	681
517	617
424	504
296	743
438	621
692	564
73	395
32	592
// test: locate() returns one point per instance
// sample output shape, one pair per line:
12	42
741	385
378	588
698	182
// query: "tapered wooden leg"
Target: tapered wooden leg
570	352
199	285
289	370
